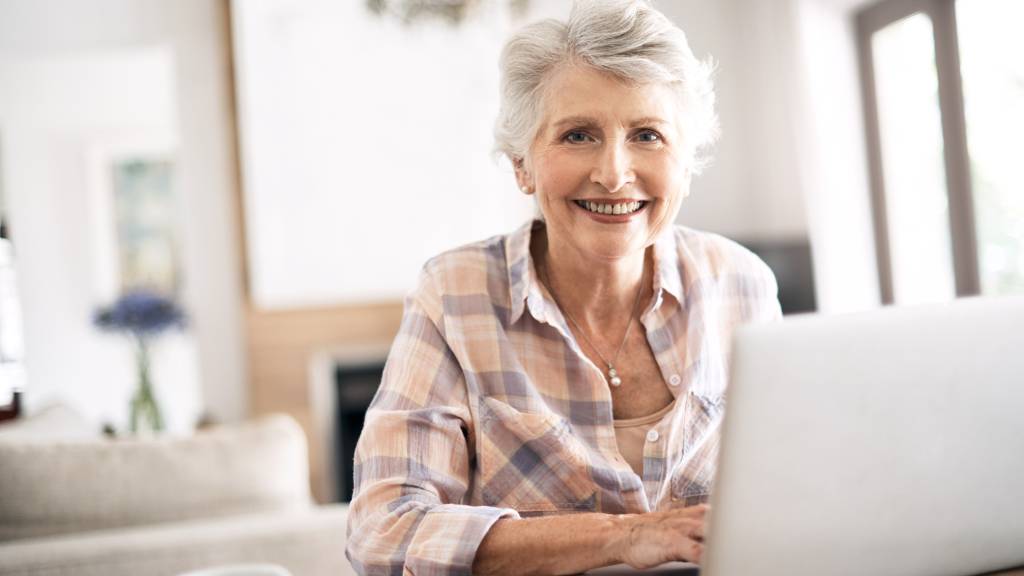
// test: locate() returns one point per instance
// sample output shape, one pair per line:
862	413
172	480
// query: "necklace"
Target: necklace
613	375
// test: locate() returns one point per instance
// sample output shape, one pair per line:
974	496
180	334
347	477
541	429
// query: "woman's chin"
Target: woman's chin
602	253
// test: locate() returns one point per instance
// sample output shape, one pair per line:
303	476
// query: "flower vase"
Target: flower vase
145	411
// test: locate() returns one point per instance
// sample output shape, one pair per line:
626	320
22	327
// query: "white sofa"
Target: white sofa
74	503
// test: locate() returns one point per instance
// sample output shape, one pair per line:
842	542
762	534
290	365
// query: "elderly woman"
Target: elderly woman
552	401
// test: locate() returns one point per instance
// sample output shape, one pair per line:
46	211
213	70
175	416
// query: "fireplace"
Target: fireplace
356	385
342	385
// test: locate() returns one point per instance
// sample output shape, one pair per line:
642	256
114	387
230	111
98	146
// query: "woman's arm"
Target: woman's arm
575	543
412	462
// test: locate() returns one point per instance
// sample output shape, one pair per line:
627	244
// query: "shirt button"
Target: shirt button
652	435
673	380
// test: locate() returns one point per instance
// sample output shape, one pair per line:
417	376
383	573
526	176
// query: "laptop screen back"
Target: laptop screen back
888	442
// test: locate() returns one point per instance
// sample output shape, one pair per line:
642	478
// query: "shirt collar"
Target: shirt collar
521	271
525	290
668	275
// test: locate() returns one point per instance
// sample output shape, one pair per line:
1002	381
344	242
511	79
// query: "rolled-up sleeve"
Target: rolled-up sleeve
412	461
770	309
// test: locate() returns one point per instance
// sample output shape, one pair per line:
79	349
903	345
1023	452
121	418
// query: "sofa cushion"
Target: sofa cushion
57	487
307	543
54	422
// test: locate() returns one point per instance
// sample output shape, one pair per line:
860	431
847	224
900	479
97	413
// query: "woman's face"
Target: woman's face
607	165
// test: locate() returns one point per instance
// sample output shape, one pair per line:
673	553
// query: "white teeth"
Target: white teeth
612	209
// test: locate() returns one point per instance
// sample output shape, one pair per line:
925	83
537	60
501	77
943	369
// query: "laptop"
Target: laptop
888	442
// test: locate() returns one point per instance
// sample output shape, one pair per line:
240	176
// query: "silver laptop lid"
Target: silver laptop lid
889	442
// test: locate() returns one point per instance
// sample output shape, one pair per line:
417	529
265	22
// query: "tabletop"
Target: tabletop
684	569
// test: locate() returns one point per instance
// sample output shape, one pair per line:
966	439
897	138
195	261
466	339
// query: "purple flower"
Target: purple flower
141	313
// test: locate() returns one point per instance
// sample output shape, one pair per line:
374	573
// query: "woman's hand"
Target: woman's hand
658	537
575	543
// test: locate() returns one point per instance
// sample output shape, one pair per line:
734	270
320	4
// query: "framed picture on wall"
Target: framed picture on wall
136	207
147	247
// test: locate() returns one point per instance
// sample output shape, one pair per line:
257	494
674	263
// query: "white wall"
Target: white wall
752	190
56	112
365	141
835	166
74	73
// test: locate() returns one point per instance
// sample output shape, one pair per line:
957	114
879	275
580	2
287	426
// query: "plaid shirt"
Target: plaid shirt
488	408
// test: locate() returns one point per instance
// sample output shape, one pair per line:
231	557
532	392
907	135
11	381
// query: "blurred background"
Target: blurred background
280	170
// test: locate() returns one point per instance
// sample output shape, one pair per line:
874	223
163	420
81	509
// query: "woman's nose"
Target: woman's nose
613	169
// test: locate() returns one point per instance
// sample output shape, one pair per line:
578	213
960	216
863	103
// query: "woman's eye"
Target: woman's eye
648	136
576	137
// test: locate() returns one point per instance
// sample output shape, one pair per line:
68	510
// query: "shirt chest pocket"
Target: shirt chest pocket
531	461
695	471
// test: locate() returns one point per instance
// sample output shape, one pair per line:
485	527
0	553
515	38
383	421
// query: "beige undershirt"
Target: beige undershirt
631	436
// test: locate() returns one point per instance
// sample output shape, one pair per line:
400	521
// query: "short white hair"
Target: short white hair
629	39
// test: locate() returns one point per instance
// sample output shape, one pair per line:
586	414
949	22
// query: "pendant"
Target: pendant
613	376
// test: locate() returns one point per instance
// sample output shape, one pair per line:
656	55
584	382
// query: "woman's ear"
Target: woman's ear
523	177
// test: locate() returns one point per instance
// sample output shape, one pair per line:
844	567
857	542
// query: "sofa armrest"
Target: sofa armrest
308	542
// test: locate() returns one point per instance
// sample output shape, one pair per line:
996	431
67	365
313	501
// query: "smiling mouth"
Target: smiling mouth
612	208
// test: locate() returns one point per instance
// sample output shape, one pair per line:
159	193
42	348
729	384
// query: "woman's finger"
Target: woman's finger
690	551
690	528
696	531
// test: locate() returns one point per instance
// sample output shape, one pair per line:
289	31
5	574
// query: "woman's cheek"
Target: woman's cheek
558	182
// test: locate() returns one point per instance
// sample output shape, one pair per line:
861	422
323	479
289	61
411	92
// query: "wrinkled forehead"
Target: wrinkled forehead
577	92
